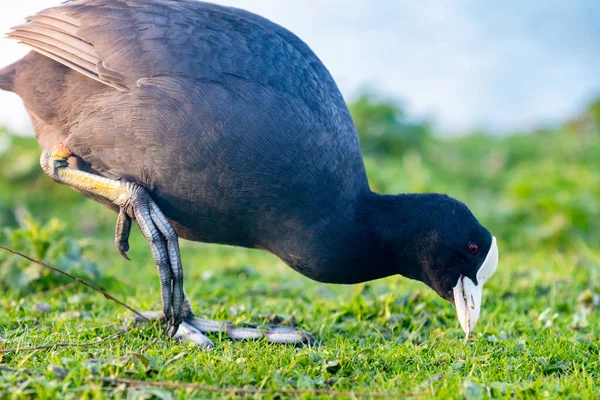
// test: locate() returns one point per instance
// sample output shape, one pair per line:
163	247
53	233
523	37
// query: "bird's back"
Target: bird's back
120	41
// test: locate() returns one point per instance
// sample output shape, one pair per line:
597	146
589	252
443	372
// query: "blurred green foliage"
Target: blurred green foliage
49	243
384	128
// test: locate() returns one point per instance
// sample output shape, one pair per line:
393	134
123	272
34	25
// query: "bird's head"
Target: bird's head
457	256
436	239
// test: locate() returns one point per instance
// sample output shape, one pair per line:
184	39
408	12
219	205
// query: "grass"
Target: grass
537	336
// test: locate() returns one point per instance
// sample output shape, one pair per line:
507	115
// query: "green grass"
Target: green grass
392	336
538	335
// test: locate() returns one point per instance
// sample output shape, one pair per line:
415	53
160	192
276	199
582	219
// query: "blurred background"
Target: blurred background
500	66
494	103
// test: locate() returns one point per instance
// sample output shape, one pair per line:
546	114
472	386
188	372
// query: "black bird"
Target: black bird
214	124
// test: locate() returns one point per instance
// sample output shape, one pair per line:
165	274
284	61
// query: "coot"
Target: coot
214	124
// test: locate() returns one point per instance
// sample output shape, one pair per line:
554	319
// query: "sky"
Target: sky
503	66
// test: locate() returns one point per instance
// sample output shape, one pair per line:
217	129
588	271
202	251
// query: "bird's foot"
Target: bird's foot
193	329
185	332
134	202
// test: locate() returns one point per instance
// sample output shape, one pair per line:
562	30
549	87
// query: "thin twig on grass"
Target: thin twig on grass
55	290
253	391
147	347
102	292
4	368
133	383
51	346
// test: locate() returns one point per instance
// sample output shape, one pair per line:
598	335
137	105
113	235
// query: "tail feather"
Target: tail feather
7	77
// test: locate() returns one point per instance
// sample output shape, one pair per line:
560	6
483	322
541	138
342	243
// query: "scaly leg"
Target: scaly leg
193	329
135	203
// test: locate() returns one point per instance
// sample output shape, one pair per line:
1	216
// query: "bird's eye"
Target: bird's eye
473	248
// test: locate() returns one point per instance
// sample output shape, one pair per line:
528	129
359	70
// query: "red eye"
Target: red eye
473	248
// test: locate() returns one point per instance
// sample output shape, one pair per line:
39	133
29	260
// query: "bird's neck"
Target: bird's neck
381	241
387	235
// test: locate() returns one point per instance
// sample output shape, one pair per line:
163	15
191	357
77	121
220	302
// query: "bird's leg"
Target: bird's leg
193	329
134	202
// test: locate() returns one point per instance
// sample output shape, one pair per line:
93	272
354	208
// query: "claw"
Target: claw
172	329
124	254
122	232
187	332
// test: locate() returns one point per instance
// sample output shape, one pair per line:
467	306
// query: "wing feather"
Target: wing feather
56	36
119	42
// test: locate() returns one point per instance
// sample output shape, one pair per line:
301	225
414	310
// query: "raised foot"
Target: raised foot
193	329
134	202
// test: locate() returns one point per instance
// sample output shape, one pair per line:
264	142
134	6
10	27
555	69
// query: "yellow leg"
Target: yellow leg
55	164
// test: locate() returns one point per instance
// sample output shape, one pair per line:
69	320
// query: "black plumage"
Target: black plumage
238	132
